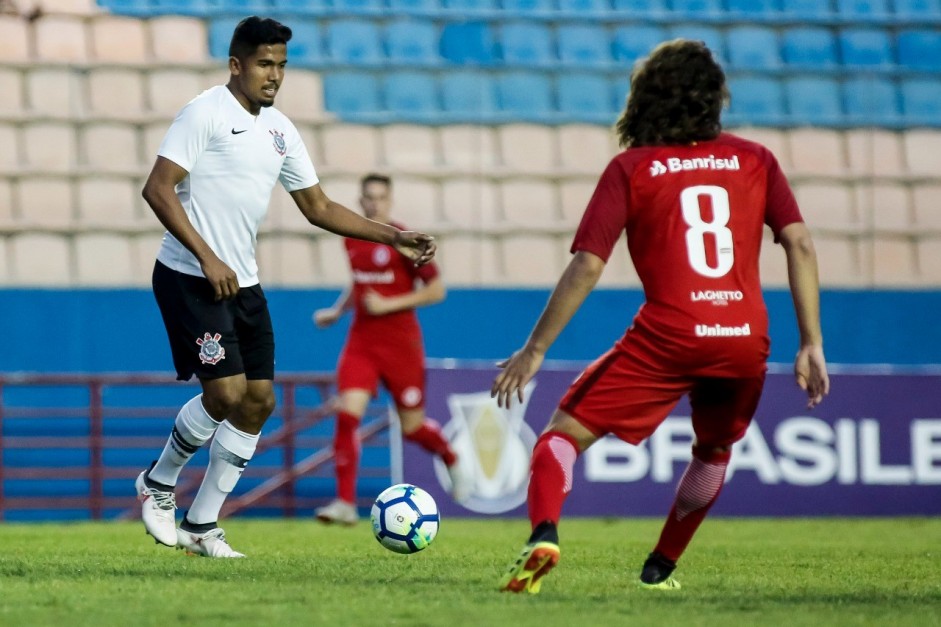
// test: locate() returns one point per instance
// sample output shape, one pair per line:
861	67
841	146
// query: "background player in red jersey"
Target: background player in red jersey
693	202
384	344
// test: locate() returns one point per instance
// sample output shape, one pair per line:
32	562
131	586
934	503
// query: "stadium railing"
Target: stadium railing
71	445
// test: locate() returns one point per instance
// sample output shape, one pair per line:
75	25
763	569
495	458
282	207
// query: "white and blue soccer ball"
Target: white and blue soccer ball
405	518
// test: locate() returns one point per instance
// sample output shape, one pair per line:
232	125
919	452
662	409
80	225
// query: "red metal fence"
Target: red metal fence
51	424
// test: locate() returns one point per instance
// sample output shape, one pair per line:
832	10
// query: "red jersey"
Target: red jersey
382	269
694	217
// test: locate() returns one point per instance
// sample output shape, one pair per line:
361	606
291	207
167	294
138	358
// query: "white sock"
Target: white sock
193	427
228	456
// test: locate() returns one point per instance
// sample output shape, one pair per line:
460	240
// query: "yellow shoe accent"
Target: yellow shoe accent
667	584
526	573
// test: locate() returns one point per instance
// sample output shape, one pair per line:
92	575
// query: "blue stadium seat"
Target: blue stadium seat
585	98
469	96
862	11
753	48
305	45
920	49
711	36
527	44
921	101
584	45
467	43
871	101
238	8
918	10
127	7
197	8
814	101
528	8
620	88
585	9
809	47
412	42
220	36
358	7
756	100
525	96
353	96
698	9
353	41
633	42
866	47
754	10
806	10
423	8
301	7
641	7
470	8
412	97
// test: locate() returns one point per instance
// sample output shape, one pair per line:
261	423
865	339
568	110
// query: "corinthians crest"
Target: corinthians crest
210	350
496	444
280	145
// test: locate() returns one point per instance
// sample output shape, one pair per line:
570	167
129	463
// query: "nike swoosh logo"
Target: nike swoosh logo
235	132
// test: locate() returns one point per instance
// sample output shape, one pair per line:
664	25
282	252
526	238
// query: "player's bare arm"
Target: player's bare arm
334	217
328	316
428	294
810	366
160	193
573	287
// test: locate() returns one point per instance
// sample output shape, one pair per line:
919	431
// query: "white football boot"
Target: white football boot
338	511
158	511
462	481
209	544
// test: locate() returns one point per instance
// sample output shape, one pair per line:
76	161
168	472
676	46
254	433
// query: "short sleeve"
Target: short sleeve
606	215
189	135
427	272
780	206
297	171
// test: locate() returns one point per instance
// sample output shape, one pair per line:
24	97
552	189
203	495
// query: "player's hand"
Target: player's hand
518	370
323	318
810	370
418	247
223	279
375	303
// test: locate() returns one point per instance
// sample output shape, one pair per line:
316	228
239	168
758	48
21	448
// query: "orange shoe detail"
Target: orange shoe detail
534	562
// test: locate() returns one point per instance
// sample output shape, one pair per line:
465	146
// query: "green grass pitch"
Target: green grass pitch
736	572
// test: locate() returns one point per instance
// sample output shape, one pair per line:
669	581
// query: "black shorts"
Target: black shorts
214	339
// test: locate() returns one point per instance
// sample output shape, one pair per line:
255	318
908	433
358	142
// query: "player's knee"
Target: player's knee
222	401
711	454
264	406
411	420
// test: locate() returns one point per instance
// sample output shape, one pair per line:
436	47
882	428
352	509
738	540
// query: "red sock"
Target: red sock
697	491
550	479
430	438
346	455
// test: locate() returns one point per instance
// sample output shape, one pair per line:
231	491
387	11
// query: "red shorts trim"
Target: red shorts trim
400	368
624	396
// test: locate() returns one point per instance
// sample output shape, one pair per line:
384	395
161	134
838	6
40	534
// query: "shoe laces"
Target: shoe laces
219	547
214	534
163	500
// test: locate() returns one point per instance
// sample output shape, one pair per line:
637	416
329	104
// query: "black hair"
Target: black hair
374	177
677	95
255	31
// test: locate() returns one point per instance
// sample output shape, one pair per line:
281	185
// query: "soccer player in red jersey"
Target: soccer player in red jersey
693	202
384	344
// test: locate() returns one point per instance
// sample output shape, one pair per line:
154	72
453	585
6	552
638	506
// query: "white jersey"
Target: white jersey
234	159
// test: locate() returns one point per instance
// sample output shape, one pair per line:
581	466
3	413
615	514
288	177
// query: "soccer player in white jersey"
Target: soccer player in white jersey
210	187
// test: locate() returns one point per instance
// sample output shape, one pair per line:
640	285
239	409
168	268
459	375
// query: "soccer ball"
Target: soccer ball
405	518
